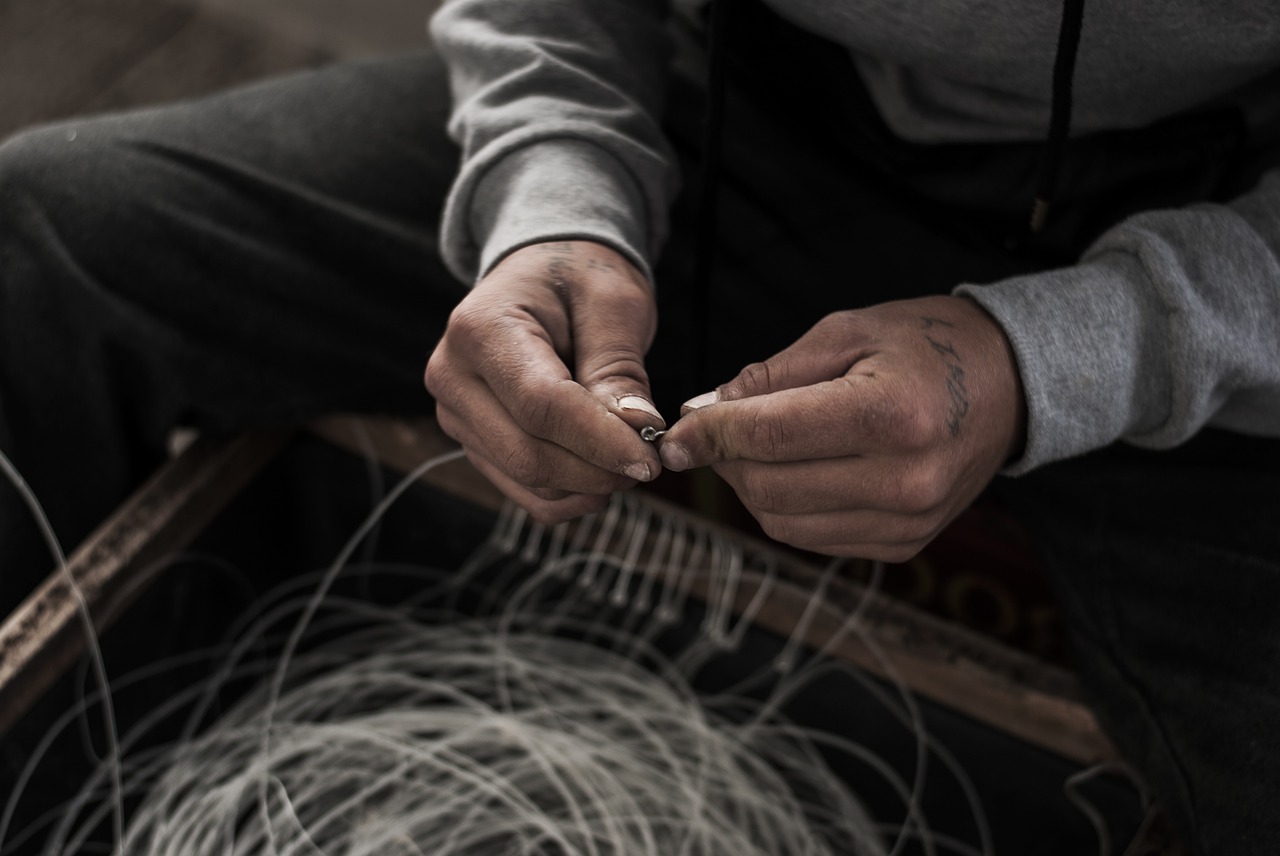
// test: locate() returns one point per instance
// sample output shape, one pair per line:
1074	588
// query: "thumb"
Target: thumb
623	387
611	339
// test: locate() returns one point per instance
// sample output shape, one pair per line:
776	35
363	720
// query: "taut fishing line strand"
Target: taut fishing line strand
793	680
907	711
1072	789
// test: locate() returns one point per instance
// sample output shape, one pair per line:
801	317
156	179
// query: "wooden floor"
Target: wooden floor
65	57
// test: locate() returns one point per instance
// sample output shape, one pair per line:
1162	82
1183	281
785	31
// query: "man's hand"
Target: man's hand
540	377
870	433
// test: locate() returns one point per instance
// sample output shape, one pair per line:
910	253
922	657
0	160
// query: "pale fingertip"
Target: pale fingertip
638	471
674	456
700	401
639	404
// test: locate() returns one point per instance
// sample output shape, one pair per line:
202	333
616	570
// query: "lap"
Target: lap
259	256
236	233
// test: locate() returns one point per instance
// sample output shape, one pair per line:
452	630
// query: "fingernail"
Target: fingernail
674	456
639	472
701	400
636	402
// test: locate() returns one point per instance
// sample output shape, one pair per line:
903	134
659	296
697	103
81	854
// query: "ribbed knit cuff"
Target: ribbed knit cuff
553	190
1088	359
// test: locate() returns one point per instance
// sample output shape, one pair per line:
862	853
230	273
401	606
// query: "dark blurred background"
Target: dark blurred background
63	57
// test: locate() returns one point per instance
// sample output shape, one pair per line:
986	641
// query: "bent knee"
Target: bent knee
73	169
35	161
68	183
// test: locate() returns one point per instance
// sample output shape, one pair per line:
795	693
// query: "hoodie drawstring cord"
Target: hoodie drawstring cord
1064	66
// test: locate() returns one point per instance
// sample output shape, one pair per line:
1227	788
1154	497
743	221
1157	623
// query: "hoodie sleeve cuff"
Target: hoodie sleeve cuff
1084	338
552	190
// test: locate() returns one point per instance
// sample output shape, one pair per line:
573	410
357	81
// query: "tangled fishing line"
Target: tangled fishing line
539	729
467	738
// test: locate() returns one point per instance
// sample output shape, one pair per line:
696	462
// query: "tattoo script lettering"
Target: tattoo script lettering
958	407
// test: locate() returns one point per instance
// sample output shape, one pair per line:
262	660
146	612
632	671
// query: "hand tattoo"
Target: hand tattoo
956	390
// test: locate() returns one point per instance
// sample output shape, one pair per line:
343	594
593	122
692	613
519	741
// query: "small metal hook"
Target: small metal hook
650	434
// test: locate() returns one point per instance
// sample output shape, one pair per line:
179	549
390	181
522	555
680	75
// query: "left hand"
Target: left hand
870	433
540	377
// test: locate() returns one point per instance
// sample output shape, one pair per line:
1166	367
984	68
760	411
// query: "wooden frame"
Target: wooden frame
44	635
1005	689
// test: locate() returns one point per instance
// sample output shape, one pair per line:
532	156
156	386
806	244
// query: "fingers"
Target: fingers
801	403
836	485
549	482
489	433
540	377
545	510
841	507
479	369
854	414
869	433
613	327
825	351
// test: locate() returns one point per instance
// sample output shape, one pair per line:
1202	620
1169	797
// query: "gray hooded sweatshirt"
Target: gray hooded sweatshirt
1169	322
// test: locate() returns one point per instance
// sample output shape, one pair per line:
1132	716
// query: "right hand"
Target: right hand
540	376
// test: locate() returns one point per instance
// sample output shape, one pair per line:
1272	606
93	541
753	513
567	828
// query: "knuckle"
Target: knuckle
874	417
436	374
781	528
836	322
755	376
451	390
528	467
535	412
842	319
632	304
465	323
922	490
619	364
757	373
837	329
449	424
905	423
899	421
767	437
758	492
